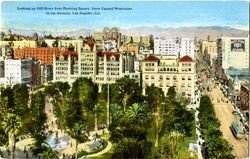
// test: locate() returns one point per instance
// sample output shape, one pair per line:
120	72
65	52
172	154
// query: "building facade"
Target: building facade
45	55
165	71
244	96
233	53
174	46
18	71
102	67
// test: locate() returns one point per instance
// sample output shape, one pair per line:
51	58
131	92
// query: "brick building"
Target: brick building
45	55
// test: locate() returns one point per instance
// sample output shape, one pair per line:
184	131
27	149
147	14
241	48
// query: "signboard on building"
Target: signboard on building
237	45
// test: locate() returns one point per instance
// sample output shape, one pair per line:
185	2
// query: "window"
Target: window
152	77
161	84
146	77
161	77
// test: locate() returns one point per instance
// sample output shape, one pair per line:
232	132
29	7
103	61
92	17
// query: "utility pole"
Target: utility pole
108	101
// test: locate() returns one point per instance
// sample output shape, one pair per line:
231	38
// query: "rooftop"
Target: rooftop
186	59
151	58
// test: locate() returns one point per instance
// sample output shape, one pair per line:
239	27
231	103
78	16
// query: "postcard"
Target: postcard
124	79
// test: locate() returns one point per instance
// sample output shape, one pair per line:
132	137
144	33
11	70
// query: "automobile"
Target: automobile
92	137
234	112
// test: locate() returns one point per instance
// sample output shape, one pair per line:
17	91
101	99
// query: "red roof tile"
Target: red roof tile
151	58
109	54
186	58
66	53
90	43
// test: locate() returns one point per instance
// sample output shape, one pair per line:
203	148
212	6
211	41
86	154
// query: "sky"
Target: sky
147	13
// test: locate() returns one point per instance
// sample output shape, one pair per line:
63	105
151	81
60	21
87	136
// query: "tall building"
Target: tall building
102	67
174	46
18	71
19	44
233	53
77	43
209	52
45	55
165	71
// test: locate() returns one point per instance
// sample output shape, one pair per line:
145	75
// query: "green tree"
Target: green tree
151	42
98	112
131	40
11	124
217	147
44	44
21	98
55	43
116	113
136	114
49	153
36	124
171	94
155	98
76	133
125	92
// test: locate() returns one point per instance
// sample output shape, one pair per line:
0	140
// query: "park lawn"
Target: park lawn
183	151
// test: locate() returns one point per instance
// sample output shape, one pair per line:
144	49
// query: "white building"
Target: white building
165	71
233	53
174	46
18	71
101	67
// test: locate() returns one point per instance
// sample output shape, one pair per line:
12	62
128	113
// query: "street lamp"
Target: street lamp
108	116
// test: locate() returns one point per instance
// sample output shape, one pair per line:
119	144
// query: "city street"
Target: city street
224	113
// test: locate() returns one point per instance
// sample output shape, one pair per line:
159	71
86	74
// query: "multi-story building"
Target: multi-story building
21	44
165	71
233	53
209	52
130	48
108	67
145	40
174	46
18	71
65	65
244	96
98	36
77	43
45	55
111	34
102	67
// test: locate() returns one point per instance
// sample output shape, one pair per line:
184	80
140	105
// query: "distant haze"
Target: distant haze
199	32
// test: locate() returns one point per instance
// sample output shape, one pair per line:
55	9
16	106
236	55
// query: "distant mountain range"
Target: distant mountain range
199	32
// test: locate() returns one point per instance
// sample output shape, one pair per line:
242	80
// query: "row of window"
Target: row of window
169	85
161	77
61	68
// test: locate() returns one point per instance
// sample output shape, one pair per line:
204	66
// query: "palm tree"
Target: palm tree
116	113
76	134
98	112
136	113
175	141
11	124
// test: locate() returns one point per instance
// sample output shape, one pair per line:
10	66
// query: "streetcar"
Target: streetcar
236	130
